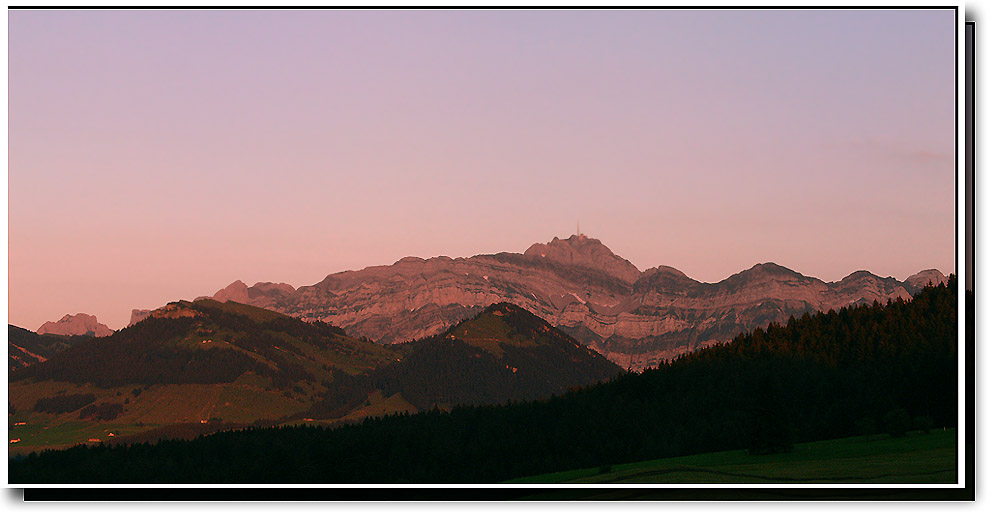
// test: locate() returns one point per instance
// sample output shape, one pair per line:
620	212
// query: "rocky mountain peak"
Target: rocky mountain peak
139	315
270	289
663	279
579	250
78	324
670	271
576	284
924	277
261	294
858	275
236	292
762	273
771	269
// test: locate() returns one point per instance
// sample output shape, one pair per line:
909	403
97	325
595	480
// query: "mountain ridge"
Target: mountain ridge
25	347
636	318
194	367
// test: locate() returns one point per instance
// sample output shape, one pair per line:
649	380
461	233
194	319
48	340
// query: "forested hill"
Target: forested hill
823	376
186	368
502	354
208	342
193	367
25	347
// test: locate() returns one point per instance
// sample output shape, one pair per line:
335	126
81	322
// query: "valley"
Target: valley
452	409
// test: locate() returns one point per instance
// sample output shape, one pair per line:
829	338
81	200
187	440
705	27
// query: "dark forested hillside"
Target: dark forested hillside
25	347
828	375
502	354
221	365
208	342
205	363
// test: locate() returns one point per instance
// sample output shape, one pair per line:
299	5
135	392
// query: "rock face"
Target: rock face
922	279
261	294
78	324
579	250
633	318
138	315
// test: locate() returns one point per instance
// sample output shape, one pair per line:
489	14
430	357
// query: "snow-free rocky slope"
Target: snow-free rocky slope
78	324
634	318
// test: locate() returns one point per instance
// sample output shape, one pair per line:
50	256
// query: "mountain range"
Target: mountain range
194	367
634	318
859	371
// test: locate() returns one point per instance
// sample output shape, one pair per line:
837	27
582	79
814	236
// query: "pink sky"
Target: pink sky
157	156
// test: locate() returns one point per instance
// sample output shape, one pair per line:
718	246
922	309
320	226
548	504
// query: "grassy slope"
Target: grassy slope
484	332
156	406
350	355
379	405
488	329
251	397
916	458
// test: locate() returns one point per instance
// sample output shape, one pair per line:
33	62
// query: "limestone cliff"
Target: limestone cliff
78	324
634	318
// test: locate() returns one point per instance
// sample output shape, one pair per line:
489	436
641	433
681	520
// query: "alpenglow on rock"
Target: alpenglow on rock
78	324
634	318
262	294
922	279
138	315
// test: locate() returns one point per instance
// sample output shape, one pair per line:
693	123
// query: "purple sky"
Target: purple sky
155	156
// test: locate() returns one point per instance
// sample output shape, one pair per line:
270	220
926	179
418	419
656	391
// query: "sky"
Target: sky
159	155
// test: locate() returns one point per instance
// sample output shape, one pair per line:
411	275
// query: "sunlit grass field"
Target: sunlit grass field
916	458
242	401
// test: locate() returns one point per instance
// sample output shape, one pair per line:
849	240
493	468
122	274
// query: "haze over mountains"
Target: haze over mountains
632	317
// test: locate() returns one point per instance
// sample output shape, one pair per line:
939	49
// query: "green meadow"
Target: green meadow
915	458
